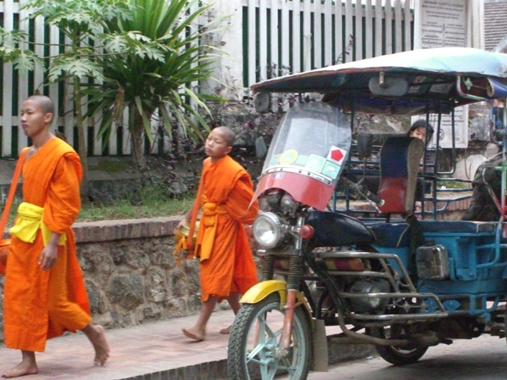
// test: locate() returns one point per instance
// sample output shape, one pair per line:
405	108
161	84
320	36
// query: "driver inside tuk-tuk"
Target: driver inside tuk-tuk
420	129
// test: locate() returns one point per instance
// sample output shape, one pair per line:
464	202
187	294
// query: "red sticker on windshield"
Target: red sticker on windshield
336	154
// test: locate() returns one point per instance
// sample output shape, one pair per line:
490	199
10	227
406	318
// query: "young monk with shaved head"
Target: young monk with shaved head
226	262
44	291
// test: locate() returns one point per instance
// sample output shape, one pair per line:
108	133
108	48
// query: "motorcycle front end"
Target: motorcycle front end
274	330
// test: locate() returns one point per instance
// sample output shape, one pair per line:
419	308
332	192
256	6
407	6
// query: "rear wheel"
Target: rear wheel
392	354
254	350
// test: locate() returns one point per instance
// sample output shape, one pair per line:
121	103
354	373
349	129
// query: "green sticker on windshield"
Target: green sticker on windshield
331	170
275	160
301	161
315	163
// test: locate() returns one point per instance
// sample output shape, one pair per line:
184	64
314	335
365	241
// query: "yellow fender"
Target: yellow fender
263	289
319	341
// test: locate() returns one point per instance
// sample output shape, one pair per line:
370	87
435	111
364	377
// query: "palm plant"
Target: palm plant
158	82
82	23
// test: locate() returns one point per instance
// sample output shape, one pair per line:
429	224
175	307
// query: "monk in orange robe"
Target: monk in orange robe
44	292
227	268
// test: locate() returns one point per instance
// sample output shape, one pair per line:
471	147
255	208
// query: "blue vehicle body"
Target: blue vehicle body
386	275
432	80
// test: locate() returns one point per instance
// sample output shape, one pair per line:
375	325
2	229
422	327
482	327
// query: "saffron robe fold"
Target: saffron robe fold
38	304
226	260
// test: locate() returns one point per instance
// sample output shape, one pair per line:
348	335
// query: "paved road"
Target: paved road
484	358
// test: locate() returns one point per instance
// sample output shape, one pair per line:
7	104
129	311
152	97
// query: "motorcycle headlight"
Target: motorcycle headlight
267	230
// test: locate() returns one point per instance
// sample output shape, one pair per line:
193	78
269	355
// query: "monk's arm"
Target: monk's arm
49	254
186	218
60	209
63	201
239	199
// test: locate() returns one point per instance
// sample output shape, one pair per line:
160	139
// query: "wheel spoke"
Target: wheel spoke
261	354
259	350
266	373
265	330
255	346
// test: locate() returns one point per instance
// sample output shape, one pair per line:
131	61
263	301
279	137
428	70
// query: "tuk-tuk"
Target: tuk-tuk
395	277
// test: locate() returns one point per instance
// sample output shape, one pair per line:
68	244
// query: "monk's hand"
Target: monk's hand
48	256
182	221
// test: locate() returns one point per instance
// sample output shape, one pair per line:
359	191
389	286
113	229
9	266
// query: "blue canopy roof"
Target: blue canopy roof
404	83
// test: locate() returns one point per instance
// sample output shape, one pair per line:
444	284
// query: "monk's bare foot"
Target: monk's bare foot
21	369
100	345
227	330
194	333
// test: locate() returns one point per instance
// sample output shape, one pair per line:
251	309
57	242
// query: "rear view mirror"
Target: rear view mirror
382	85
262	102
260	147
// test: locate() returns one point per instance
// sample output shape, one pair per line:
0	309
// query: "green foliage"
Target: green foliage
454	183
78	17
81	67
149	56
22	60
151	207
133	42
156	58
82	22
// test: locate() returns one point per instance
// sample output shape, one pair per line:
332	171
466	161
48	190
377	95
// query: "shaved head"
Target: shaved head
228	134
45	103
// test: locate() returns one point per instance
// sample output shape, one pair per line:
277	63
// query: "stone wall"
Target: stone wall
131	273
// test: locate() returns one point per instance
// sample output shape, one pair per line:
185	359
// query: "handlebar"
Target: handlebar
363	191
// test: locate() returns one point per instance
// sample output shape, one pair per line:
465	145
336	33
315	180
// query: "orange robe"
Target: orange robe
38	304
226	261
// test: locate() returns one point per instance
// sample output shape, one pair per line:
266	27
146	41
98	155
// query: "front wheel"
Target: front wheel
392	354
254	350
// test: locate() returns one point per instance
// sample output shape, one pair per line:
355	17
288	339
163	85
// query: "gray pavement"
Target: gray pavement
152	351
483	358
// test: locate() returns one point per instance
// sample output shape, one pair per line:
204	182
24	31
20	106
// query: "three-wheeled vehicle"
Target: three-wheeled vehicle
396	279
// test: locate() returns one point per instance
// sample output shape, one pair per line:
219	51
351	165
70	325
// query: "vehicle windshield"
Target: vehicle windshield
315	137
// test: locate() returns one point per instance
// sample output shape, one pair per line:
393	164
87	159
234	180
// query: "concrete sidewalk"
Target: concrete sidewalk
153	351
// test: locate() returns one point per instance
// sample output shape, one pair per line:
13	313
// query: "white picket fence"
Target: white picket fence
283	36
328	32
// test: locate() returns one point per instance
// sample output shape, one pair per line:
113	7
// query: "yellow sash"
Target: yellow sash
28	223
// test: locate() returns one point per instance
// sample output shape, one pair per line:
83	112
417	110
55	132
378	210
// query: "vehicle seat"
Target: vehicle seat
399	165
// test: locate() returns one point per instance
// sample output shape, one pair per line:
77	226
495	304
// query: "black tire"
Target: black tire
392	354
255	358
